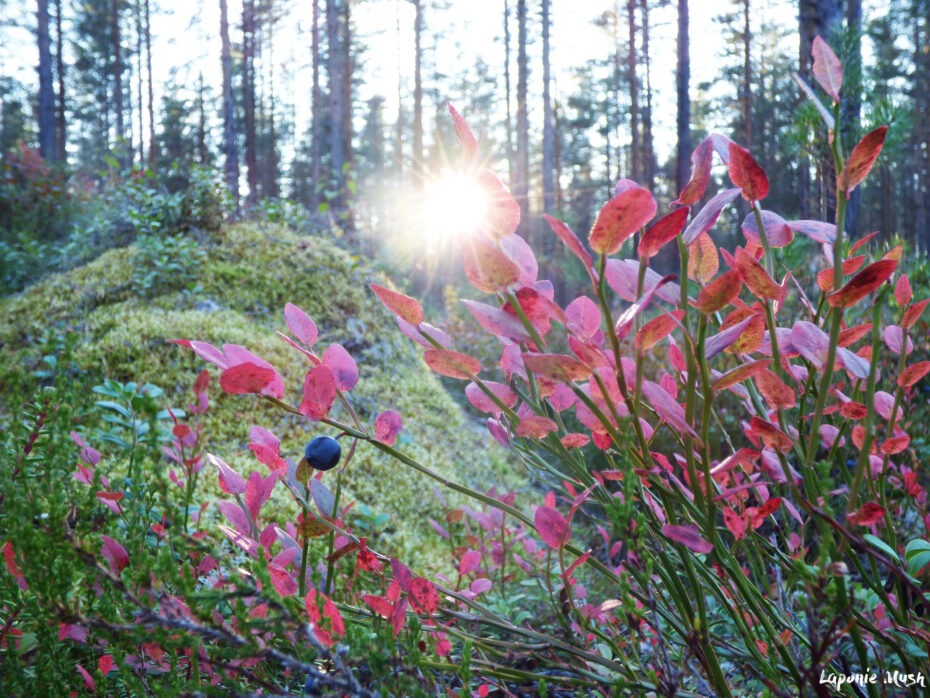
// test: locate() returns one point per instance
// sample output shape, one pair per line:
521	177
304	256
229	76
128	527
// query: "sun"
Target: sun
454	207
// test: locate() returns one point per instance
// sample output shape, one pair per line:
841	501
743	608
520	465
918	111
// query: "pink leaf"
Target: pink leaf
469	562
551	526
688	536
863	283
477	397
747	174
818	231
620	217
571	240
861	159
701	161
329	624
319	393
342	366
522	255
827	70
868	514
662	231
583	318
556	367
88	679
230	481
105	664
488	268
720	341
422	332
503	211
423	596
902	291
464	134
387	426
913	373
777	231
300	324
452	363
536	427
666	407
708	215
497	321
404	307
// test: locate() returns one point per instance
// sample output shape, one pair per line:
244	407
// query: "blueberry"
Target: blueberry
323	452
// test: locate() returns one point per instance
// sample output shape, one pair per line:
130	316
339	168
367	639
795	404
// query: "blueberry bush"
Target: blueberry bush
731	501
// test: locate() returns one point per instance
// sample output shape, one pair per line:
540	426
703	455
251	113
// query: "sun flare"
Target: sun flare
454	207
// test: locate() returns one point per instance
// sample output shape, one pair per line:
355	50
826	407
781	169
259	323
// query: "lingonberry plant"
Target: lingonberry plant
733	503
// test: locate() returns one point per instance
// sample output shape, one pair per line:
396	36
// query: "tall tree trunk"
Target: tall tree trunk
117	48
46	92
548	167
231	169
682	82
140	52
201	123
399	124
746	97
316	108
852	102
521	185
816	17
153	142
510	168
272	189
336	70
417	84
649	159
248	98
61	134
636	172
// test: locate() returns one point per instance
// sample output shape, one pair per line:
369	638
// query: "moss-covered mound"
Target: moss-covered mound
245	278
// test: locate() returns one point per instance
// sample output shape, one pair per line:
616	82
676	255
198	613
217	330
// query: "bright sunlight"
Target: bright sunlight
454	206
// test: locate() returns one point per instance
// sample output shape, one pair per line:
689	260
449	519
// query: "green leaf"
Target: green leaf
881	545
381	519
115	406
917	554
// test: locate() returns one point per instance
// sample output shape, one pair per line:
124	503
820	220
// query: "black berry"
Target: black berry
323	452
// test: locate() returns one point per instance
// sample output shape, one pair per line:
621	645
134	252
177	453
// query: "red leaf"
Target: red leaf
708	215
701	161
342	366
329	623
770	507
895	444
575	440
319	393
755	276
663	230
828	71
862	241
551	526
703	260
894	339
625	320
720	341
570	239
771	436
862	284
849	266
202	382
688	536
583	318
423	596
851	335
913	373
497	321
735	522
452	363
115	553
861	159
620	217
777	231
245	378
747	174
536	427
404	307
740	373
399	616
912	314
300	324
379	605
556	367
105	664
488	268
867	515
387	426
720	292
657	329
88	679
666	407
503	211
773	389
902	291
464	134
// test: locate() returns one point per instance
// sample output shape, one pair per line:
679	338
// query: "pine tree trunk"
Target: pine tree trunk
336	71
636	171
746	97
510	167
316	107
548	168
117	48
852	102
418	85
521	185
231	169
682	81
248	98
61	132
202	156
153	142
140	52
649	160
46	92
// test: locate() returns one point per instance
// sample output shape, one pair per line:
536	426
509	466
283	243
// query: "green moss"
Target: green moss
250	272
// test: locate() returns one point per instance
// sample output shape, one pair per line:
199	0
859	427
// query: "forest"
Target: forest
255	438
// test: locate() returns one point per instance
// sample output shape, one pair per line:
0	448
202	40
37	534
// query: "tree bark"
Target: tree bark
510	167
521	185
417	84
852	102
548	167
316	107
61	133
153	142
46	92
649	162
746	97
337	69
231	169
635	156
248	98
683	120
117	48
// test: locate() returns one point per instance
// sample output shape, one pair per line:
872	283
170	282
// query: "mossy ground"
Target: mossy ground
249	272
